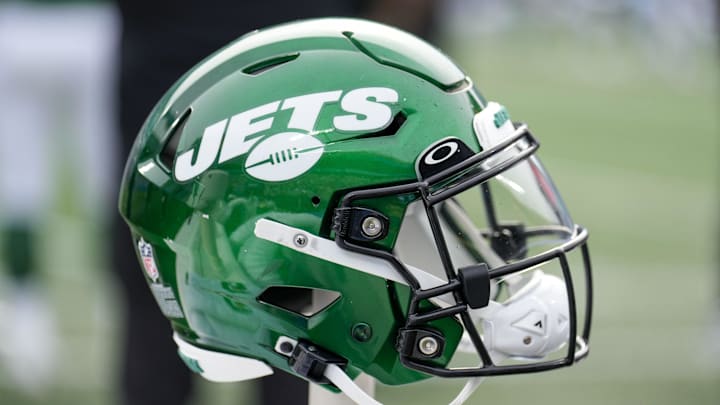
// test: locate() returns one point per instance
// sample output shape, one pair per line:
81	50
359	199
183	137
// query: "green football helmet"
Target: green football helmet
334	196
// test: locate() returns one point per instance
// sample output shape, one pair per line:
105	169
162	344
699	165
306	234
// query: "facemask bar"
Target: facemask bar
576	350
434	190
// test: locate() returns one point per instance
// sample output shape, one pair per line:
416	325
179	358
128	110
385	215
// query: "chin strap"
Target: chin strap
337	376
348	387
470	387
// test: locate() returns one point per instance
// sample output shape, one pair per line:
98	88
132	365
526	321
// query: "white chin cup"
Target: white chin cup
532	323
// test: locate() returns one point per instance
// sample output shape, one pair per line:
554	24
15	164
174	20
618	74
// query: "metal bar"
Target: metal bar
414	320
589	291
436	291
543	257
572	309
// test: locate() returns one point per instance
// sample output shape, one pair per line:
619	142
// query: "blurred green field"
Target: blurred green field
631	139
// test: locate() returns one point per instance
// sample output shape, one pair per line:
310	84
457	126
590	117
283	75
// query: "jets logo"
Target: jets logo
285	155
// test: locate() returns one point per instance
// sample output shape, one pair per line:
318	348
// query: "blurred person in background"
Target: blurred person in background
57	60
161	41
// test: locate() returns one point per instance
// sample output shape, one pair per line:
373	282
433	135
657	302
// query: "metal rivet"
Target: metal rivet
300	240
372	226
428	345
286	347
361	332
527	340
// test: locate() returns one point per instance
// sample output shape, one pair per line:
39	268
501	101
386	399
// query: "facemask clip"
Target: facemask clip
310	361
509	241
420	344
475	282
360	224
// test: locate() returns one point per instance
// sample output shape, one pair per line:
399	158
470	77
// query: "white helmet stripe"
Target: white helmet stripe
326	249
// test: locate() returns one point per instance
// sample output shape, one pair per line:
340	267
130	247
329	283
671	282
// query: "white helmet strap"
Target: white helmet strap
348	387
337	376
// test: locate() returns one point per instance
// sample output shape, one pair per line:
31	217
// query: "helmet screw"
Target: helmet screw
300	240
527	340
428	345
286	347
362	332
372	226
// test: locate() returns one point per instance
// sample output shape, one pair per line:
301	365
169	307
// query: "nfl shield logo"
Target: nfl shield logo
146	252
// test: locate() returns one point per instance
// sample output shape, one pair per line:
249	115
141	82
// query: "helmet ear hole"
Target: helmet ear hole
315	200
303	301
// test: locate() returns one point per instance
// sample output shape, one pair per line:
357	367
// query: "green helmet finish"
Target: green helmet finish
334	191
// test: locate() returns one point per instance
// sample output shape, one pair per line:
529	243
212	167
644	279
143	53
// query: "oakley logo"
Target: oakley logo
440	156
441	153
285	155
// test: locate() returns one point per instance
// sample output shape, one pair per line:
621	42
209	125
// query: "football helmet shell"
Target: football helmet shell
271	190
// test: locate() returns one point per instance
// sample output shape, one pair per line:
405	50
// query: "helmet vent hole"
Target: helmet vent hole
315	200
394	126
299	300
267	64
172	140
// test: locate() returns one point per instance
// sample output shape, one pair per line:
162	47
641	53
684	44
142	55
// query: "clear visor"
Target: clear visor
515	215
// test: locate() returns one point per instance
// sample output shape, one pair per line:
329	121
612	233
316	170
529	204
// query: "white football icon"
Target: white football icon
283	156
